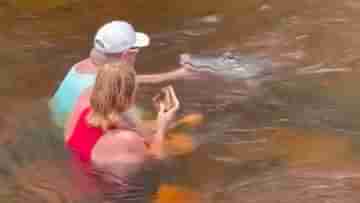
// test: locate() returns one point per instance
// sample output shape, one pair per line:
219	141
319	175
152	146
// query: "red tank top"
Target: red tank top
84	137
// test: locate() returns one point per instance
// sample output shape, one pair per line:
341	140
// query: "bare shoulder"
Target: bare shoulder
85	66
123	146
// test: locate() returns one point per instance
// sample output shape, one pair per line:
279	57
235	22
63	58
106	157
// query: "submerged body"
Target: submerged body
235	66
229	65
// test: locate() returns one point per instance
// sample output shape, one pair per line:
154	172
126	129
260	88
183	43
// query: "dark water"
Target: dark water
296	141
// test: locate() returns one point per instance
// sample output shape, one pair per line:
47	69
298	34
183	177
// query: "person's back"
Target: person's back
99	136
84	137
113	160
87	143
75	82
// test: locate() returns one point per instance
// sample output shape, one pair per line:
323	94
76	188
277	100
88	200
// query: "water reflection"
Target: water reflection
307	164
296	141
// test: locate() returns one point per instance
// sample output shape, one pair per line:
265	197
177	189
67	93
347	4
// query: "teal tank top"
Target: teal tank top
64	99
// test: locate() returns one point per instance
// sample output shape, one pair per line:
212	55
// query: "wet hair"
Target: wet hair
112	94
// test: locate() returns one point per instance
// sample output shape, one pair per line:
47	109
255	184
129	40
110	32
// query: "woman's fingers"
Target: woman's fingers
161	107
174	98
168	109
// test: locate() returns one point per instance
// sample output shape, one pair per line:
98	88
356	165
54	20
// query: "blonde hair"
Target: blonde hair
99	59
113	94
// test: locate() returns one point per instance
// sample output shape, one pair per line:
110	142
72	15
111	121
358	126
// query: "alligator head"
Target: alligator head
228	64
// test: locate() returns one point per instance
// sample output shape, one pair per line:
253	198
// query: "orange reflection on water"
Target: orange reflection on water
294	147
179	143
176	194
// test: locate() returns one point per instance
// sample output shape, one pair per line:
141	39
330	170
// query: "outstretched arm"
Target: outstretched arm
180	73
160	77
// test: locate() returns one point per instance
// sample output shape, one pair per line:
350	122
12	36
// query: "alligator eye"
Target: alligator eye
229	56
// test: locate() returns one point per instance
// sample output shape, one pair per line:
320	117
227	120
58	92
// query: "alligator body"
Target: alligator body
229	65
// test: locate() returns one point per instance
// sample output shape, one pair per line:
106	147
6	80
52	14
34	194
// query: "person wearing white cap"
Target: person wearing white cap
114	41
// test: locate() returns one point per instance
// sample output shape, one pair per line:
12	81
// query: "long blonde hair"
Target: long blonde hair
113	94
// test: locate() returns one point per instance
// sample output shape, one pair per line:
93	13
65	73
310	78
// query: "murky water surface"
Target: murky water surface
295	138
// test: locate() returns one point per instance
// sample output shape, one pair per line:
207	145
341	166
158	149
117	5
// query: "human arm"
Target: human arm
180	73
190	120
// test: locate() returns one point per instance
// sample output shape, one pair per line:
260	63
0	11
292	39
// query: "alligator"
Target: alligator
229	65
234	66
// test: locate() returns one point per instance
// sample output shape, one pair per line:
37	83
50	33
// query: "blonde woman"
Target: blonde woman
97	132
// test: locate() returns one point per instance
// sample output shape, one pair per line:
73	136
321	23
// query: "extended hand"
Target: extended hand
187	71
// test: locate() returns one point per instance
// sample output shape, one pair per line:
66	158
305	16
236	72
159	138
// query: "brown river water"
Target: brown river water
297	141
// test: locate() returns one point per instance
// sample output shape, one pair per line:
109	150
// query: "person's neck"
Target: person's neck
86	66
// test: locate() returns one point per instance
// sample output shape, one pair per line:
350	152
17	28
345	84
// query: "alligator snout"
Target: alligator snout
185	58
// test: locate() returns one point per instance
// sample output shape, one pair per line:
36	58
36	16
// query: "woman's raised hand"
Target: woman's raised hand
168	108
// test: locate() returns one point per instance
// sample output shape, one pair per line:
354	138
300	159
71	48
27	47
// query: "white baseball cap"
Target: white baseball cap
117	36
